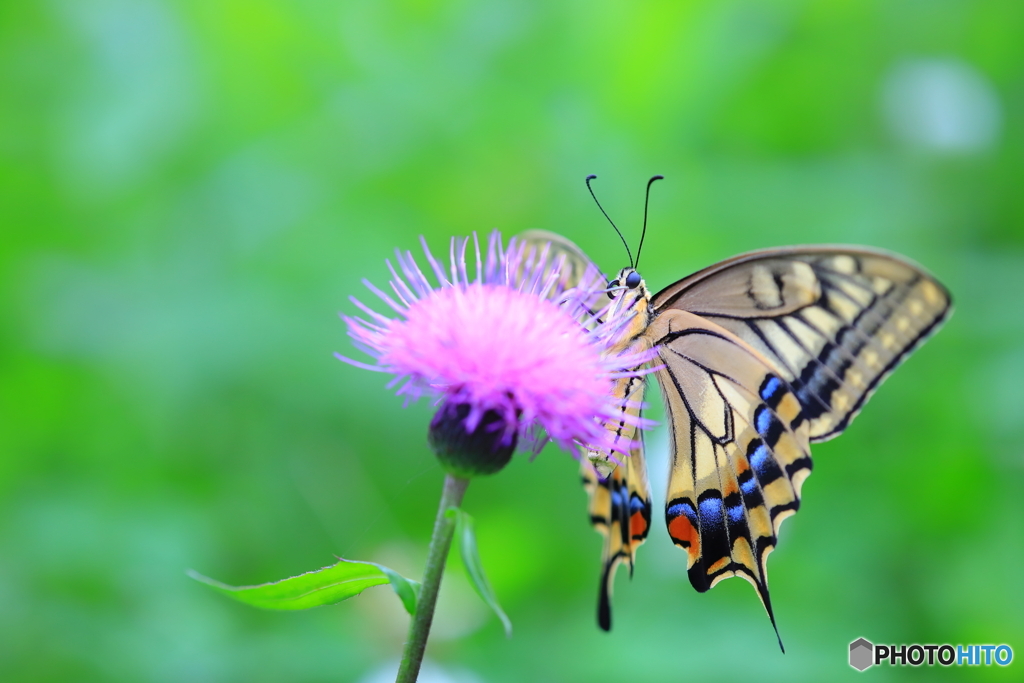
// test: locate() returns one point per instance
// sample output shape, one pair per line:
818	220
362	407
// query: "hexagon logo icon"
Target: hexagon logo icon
861	654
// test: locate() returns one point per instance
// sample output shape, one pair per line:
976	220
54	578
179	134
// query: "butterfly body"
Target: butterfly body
758	356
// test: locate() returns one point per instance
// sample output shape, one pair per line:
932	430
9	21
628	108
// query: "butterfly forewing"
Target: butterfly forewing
834	321
585	280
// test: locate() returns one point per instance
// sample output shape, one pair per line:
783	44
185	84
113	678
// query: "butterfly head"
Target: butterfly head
630	299
627	281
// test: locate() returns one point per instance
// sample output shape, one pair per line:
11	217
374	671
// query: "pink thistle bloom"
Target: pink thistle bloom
508	350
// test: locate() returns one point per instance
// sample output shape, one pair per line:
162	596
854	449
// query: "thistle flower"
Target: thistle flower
508	353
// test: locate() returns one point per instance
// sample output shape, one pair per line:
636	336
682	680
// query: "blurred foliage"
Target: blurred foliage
191	190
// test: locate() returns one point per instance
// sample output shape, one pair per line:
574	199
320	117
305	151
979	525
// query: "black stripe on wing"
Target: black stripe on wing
833	380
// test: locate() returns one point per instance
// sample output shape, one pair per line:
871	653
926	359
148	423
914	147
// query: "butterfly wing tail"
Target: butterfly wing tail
604	596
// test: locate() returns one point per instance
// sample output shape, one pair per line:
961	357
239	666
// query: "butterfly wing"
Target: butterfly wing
619	495
620	509
834	321
577	266
576	272
740	450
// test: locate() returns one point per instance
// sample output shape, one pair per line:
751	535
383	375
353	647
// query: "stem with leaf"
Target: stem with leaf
437	555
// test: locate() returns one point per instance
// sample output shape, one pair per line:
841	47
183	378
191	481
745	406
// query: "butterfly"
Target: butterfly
758	356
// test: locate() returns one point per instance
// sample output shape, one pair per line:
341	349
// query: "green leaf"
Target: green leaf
326	586
471	559
407	590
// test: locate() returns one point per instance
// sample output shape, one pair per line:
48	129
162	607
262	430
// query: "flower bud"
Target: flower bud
464	453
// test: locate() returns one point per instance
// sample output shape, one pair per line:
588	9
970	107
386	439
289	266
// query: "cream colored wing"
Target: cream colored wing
740	450
834	321
577	265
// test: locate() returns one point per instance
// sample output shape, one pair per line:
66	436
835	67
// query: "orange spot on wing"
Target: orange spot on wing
719	565
637	525
730	487
682	531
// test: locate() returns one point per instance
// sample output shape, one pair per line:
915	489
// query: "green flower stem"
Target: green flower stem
440	542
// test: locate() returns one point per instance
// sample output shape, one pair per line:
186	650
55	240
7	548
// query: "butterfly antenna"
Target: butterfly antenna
647	198
628	252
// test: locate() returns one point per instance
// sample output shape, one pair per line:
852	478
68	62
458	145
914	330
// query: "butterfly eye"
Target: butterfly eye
612	285
633	280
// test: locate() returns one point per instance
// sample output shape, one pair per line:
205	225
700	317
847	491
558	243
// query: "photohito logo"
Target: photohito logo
864	653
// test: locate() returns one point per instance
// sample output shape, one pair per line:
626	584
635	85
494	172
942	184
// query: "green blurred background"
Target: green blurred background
191	190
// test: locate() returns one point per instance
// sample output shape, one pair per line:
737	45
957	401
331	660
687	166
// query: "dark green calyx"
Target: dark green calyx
463	453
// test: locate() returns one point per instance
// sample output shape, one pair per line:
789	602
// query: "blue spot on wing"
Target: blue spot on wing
749	486
711	512
677	509
759	457
636	504
771	389
737	517
763	463
735	513
767	425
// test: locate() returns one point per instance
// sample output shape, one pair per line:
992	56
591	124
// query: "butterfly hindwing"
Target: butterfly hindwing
740	450
620	509
834	321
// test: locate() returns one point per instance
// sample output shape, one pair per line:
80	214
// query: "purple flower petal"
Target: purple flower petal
509	340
